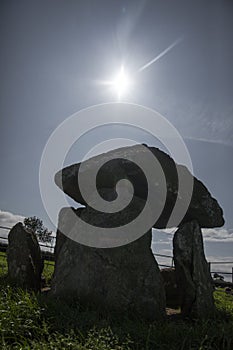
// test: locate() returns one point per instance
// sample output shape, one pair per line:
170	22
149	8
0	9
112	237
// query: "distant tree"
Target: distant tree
35	225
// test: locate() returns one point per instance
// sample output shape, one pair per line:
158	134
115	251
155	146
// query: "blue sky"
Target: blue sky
54	53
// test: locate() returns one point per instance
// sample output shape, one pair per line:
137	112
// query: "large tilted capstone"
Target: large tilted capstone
125	279
203	207
192	271
24	258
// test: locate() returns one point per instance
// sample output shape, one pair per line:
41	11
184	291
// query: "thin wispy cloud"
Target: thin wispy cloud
9	219
218	235
209	235
163	53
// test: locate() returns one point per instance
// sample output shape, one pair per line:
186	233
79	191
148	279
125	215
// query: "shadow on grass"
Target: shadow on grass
38	321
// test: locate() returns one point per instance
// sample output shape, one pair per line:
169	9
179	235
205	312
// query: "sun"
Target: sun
121	83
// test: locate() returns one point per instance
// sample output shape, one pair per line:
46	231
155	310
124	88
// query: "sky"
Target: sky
55	53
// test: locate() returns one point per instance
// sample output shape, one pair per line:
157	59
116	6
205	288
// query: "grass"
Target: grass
48	270
3	264
224	302
30	321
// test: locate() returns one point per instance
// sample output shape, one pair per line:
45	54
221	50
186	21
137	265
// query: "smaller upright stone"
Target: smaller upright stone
193	275
24	258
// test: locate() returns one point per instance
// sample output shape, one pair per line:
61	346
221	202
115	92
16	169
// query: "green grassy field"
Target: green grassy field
47	272
30	321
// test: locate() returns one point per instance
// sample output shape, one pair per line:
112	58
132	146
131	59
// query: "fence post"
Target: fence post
209	265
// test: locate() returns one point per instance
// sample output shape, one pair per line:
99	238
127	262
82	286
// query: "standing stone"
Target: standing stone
124	279
24	258
193	275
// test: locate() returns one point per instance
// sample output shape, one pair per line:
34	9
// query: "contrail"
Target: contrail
161	54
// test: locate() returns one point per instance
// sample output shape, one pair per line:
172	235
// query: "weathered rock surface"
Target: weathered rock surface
24	258
193	275
203	207
125	279
172	291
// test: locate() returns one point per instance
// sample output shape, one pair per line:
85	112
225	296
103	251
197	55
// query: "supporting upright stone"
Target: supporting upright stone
124	279
24	258
193	275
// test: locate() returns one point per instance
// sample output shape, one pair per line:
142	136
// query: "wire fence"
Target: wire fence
219	271
48	255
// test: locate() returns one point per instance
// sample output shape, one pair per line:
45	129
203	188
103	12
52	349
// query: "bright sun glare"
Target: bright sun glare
121	83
